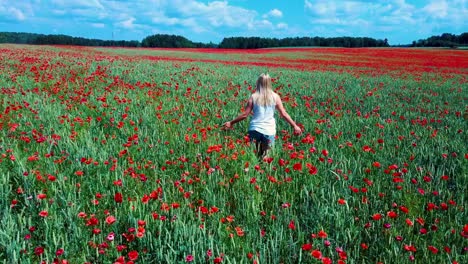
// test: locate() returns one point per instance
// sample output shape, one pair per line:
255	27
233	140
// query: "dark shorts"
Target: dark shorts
259	137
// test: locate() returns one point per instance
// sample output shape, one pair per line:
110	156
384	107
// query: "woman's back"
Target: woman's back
262	103
263	119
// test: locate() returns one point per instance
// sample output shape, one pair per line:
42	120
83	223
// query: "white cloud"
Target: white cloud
216	13
445	17
402	10
361	13
377	18
98	25
344	13
343	22
160	18
408	20
265	23
281	26
204	17
17	14
13	11
437	9
164	20
273	13
79	3
221	18
351	7
308	5
380	13
59	12
128	23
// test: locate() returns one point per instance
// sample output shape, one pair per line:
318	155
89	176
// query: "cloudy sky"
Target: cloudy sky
400	21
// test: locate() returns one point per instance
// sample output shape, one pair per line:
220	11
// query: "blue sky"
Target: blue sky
400	21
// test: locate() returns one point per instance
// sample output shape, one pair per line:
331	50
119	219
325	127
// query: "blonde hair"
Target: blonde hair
264	95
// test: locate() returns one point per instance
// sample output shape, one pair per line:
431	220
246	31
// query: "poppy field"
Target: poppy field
113	155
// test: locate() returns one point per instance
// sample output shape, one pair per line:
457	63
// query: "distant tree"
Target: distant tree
256	42
18	38
463	38
174	41
41	39
171	41
444	40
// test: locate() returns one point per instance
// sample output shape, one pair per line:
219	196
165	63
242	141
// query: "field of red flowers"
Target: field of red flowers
117	156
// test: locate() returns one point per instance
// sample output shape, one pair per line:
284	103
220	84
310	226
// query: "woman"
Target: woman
262	128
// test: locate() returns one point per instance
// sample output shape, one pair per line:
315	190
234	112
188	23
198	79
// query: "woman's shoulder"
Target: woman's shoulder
276	96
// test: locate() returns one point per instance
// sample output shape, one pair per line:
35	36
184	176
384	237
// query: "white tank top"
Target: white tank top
263	119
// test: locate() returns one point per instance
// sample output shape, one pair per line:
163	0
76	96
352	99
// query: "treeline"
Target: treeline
444	40
41	39
171	41
174	41
256	42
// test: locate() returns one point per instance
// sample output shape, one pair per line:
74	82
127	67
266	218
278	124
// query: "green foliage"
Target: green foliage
171	41
444	40
257	42
174	41
41	39
71	143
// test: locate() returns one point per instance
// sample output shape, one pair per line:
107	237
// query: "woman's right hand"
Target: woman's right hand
297	130
227	125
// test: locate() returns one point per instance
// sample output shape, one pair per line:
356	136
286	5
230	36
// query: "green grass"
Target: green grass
148	141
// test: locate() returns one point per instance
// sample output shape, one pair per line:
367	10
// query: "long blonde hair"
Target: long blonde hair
264	94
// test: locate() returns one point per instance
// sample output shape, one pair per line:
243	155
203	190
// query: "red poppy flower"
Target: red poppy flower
464	232
392	214
312	170
43	213
433	249
120	248
189	258
307	247
239	231
297	167
133	255
404	209
39	251
110	220
377	217
118	197
322	234
431	206
316	254
281	162
59	252
366	148
409	248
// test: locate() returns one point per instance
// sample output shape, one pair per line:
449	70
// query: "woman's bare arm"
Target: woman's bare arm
242	116
285	115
